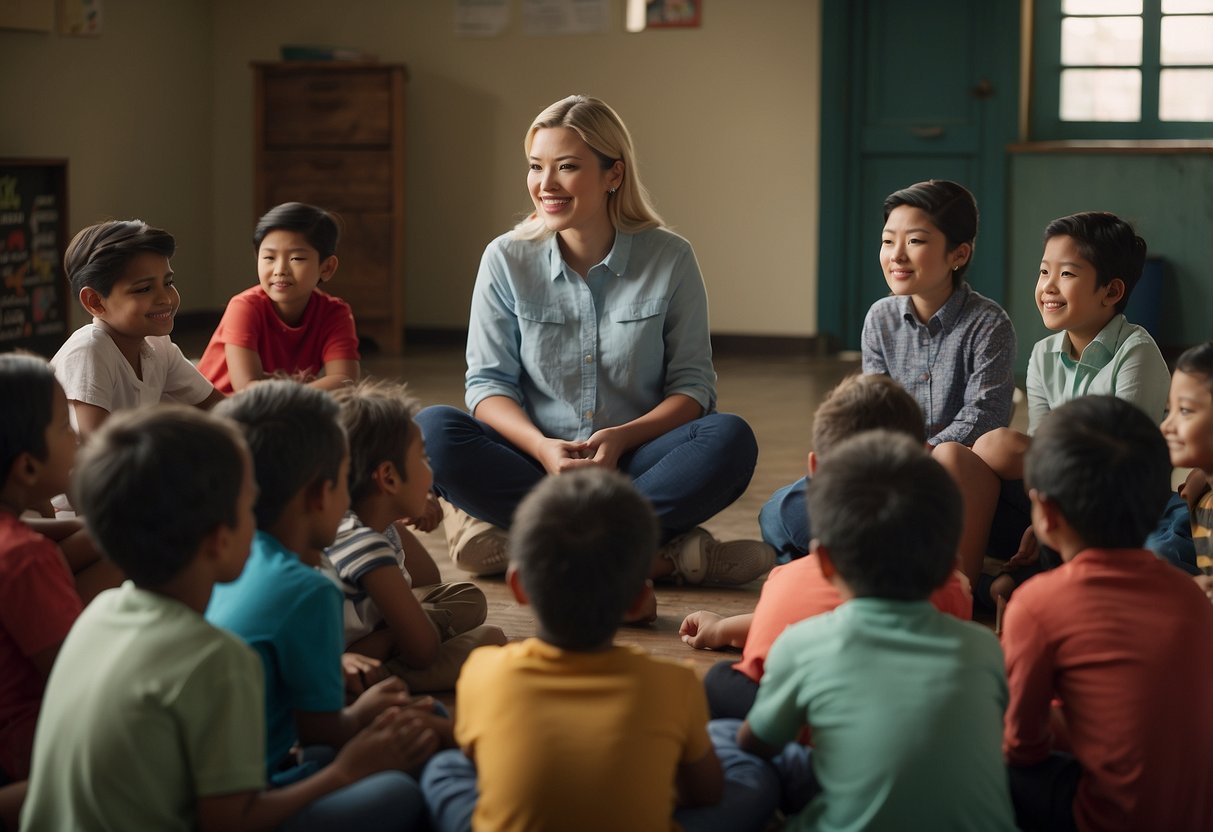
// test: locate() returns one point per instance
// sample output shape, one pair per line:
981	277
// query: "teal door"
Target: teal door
910	91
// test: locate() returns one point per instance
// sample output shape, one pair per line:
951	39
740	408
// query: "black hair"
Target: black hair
317	225
97	256
865	402
951	208
1104	463
378	420
294	437
27	388
583	544
887	514
152	483
1106	242
1198	361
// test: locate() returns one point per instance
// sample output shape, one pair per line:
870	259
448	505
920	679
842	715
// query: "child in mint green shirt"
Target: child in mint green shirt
904	703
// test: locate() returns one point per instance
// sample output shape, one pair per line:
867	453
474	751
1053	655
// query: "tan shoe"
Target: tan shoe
699	558
476	546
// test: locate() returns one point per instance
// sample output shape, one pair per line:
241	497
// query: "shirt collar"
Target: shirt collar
616	261
946	315
1101	349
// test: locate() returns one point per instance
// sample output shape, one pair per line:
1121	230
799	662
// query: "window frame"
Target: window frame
1045	122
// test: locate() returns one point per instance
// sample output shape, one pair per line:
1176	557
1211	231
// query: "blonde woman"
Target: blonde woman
588	345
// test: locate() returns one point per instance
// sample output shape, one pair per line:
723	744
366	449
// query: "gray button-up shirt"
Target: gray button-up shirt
958	365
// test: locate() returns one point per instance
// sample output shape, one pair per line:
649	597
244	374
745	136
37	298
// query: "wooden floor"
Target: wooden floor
777	396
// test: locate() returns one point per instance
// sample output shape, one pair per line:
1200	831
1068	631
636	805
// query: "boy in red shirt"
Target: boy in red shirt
797	590
285	325
1115	633
38	598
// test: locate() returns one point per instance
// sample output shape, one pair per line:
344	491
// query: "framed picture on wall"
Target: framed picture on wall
673	14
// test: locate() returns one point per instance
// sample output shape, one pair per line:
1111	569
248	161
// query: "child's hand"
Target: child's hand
430	518
1205	582
1029	551
397	739
1193	488
392	692
361	672
423	708
701	630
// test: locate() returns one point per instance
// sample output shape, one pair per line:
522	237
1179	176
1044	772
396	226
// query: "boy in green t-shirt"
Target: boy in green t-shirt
153	719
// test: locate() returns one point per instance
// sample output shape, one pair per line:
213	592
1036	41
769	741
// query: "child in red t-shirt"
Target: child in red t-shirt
38	598
798	590
285	325
1116	635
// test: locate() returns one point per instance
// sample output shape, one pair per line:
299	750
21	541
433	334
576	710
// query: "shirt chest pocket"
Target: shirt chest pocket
542	334
637	331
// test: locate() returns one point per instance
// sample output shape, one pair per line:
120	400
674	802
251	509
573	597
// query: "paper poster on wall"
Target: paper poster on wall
81	18
565	17
32	15
481	18
33	229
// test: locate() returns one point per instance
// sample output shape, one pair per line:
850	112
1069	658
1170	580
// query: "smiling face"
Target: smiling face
567	183
143	301
915	258
1188	427
289	269
1068	297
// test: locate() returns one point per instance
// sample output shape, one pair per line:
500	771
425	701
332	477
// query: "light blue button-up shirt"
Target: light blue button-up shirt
581	355
1121	361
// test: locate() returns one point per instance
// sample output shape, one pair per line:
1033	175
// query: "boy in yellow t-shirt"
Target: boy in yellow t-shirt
569	731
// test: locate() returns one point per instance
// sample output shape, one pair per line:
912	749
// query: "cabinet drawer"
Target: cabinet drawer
342	180
367	275
328	108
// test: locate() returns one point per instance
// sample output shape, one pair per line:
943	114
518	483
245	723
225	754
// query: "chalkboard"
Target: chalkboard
34	294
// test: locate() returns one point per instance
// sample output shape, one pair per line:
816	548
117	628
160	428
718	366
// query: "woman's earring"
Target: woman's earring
612	191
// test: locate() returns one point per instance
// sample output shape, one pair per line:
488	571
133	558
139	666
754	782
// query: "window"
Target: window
1127	69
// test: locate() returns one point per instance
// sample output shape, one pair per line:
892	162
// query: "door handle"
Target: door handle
983	90
927	132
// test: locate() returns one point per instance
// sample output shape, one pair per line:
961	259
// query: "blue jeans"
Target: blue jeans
751	789
1171	539
784	521
1043	794
689	474
730	692
390	801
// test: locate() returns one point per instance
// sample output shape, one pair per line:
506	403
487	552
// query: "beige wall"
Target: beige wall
131	111
725	119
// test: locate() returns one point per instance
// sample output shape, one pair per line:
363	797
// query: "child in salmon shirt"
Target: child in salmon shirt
797	590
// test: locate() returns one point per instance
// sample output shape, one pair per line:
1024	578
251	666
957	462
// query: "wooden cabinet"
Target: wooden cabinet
332	134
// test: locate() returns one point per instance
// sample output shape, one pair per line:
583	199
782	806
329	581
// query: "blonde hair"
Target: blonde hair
600	127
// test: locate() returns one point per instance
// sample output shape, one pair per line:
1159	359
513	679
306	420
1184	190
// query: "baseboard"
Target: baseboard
784	346
435	336
723	345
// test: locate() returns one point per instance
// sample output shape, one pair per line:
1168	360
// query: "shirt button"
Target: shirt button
589	414
926	376
588	359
